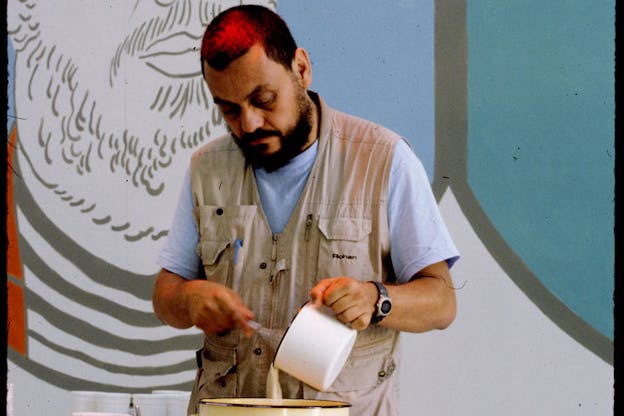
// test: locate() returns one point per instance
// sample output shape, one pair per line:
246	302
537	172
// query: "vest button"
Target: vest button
219	211
263	265
258	351
381	374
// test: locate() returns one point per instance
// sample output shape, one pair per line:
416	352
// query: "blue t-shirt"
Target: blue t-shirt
418	235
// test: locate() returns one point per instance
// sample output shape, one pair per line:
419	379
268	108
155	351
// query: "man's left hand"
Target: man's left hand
352	301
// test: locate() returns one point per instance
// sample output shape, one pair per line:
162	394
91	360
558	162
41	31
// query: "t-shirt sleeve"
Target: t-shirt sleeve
418	234
179	252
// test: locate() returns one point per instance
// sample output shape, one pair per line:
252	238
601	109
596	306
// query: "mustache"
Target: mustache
260	134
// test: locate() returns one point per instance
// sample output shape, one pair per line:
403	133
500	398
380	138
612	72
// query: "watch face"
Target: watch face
385	307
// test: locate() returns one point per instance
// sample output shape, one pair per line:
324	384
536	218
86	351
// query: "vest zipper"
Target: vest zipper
308	225
274	248
273	300
307	273
273	257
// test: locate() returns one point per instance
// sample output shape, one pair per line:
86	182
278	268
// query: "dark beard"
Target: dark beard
292	142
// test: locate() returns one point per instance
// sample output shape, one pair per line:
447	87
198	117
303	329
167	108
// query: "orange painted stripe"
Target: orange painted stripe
16	310
16	319
14	264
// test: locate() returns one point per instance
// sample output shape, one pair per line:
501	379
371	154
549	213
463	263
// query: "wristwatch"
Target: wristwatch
383	305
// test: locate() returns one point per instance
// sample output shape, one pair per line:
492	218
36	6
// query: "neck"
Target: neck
315	119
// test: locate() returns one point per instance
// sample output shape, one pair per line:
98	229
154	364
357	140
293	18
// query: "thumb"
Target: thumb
318	291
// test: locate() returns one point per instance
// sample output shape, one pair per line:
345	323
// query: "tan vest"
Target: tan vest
339	227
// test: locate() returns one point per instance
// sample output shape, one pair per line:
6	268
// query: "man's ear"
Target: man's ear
302	67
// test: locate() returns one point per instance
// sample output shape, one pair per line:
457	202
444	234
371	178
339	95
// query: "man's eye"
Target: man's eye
228	110
264	100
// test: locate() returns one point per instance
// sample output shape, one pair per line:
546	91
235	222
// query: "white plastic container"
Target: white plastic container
112	402
177	401
151	404
315	347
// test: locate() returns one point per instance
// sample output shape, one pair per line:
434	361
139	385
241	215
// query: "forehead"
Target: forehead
246	74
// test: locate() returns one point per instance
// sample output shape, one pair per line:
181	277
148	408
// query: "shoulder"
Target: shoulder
353	128
407	166
216	148
404	155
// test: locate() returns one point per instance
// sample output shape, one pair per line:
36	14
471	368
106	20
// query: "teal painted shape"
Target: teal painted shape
541	141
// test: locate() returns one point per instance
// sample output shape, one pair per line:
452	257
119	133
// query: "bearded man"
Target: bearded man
297	203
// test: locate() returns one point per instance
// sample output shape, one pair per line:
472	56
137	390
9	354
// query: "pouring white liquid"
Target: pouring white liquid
273	388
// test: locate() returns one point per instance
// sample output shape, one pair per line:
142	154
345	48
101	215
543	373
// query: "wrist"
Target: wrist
372	294
383	303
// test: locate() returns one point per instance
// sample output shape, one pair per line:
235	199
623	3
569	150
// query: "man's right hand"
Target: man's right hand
210	306
215	308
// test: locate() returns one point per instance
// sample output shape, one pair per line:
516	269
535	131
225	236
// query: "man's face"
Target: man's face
266	107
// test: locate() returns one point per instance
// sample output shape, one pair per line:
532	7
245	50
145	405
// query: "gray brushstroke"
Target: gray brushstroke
88	299
68	382
92	334
154	370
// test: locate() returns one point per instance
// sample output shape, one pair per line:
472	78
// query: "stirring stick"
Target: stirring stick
255	325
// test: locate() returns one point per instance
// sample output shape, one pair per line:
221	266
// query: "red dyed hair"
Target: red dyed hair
233	32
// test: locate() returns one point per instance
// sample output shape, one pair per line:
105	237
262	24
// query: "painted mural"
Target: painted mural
511	112
109	103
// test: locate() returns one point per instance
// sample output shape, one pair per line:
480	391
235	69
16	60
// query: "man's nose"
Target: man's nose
251	120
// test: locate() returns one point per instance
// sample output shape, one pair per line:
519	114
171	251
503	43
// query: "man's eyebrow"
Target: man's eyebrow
221	101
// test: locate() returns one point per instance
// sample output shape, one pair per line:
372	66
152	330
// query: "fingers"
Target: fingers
357	322
348	299
243	323
352	309
216	309
318	292
328	291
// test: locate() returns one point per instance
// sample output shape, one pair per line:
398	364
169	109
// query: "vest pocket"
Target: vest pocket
218	373
367	366
216	260
367	377
223	231
344	248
